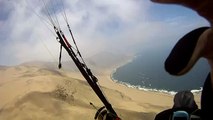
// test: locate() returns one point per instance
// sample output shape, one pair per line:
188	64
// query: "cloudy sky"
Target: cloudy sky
121	26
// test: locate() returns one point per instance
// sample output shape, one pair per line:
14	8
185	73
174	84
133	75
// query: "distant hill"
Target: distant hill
2	67
97	62
107	59
67	65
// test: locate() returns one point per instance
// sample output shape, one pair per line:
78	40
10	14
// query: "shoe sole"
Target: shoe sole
186	52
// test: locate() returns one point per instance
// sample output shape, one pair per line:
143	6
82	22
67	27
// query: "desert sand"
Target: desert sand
33	92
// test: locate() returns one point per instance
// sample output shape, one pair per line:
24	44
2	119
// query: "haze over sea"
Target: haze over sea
146	71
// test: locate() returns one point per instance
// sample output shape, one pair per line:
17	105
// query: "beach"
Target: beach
37	92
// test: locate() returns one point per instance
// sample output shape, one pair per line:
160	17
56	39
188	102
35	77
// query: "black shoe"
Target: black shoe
186	52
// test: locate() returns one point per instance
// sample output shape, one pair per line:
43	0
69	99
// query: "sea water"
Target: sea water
146	71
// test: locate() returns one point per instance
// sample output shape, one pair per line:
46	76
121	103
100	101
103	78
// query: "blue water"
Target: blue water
147	71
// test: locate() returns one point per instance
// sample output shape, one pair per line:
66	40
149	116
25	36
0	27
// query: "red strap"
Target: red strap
65	40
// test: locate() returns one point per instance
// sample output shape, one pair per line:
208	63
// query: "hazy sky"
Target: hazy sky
121	26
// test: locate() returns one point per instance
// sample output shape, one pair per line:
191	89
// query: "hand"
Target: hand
202	7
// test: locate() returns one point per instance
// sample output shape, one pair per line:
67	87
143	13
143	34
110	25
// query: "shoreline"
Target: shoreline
138	87
143	88
139	97
169	94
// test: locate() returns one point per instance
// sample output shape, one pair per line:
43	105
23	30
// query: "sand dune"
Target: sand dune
29	92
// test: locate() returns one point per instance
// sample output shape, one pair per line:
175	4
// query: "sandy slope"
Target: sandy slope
37	93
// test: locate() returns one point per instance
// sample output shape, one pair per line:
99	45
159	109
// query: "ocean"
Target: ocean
146	72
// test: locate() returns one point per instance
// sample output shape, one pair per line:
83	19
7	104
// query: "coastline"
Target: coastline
140	98
139	87
169	94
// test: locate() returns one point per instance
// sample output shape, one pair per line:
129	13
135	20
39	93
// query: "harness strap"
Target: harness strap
59	65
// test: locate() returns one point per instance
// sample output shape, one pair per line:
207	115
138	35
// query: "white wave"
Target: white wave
196	91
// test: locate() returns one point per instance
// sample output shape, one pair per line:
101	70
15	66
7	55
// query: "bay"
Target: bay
146	71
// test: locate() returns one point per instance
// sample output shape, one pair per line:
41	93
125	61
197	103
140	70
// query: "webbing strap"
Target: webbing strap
59	65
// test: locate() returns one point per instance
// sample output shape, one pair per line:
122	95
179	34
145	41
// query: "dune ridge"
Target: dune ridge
38	92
